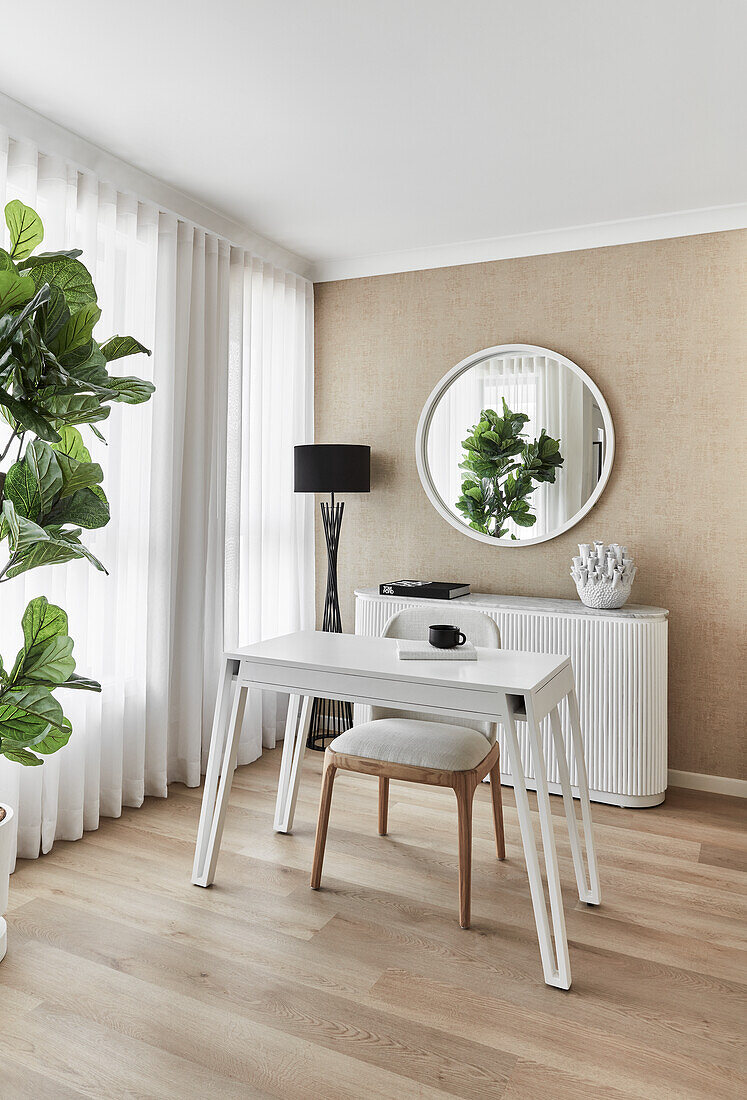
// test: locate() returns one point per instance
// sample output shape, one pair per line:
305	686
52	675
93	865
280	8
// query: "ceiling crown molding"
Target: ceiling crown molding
682	223
24	124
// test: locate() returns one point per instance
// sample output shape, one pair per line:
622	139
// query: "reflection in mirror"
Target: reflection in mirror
516	445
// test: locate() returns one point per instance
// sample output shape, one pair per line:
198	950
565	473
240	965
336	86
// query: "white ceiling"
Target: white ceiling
371	135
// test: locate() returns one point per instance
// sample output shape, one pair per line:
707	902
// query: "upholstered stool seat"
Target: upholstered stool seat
441	745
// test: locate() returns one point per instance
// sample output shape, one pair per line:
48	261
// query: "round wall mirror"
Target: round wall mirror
515	445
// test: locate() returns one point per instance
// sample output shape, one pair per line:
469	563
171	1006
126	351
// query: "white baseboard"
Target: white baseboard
718	784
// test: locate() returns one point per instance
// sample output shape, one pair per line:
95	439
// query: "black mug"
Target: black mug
445	637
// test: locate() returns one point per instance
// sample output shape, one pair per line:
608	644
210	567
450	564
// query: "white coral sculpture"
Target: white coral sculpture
603	574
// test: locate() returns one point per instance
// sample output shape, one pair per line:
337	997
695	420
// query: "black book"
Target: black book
432	590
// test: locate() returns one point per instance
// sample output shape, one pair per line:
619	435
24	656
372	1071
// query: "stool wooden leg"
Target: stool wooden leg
383	804
325	803
495	794
465	790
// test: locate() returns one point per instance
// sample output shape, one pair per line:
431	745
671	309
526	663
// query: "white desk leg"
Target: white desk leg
217	746
557	974
594	893
291	764
570	811
298	757
548	844
228	766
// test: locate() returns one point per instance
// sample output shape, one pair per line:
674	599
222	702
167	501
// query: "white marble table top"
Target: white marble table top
543	606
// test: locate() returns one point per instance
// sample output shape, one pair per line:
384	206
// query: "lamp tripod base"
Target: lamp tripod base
329	717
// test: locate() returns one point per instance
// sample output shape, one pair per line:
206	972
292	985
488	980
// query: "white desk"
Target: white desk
502	685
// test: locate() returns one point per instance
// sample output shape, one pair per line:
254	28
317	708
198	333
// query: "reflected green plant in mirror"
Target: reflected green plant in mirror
502	468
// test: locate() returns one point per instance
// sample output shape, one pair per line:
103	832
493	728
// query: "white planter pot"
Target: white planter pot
6	839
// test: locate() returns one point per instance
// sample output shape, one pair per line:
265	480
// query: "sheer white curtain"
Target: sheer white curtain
267	524
555	399
454	416
515	378
564	410
208	545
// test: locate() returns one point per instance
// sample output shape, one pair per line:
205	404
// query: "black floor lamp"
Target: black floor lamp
331	468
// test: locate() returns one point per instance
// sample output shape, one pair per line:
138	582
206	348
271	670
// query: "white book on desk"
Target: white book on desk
409	650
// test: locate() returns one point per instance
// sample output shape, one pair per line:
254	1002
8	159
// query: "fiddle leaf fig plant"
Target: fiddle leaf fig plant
54	379
502	469
30	716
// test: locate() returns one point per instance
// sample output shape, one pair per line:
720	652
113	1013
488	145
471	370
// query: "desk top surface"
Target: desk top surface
512	671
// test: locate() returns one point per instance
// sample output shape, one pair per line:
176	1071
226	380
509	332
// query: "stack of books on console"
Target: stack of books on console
431	590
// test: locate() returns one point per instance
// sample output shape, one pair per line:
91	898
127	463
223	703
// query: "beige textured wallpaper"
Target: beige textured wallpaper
660	326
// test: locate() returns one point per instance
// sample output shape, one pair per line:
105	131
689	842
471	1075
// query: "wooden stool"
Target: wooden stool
463	782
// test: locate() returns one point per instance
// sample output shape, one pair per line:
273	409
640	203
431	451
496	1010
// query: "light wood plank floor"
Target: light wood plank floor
122	979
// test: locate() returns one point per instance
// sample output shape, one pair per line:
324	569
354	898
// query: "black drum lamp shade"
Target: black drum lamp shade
332	468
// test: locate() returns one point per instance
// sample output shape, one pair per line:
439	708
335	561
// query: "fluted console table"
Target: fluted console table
619	660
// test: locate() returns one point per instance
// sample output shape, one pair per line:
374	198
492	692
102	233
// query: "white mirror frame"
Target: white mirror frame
421	457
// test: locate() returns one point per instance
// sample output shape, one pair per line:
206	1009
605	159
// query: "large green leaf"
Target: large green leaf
9	526
29	352
118	346
30	533
37	731
55	739
71	538
131	391
29	417
45	469
26	229
60	546
22	710
71	444
77	475
53	315
9	326
75	408
6	264
19	756
50	552
45	257
77	330
523	519
41	622
80	355
21	487
82	508
46	653
70	276
23	533
91	371
15	290
81	683
49	665
20	531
